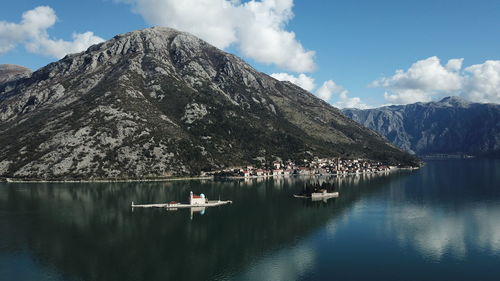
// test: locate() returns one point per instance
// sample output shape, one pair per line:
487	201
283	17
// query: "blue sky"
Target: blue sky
358	44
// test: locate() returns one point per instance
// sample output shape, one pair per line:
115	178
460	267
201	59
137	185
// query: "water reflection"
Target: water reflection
436	232
284	265
89	232
432	235
451	216
488	227
200	210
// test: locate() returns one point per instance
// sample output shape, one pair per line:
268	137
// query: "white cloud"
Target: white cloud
32	32
428	79
354	102
330	88
454	64
326	92
302	80
256	27
59	48
426	74
406	96
423	80
483	82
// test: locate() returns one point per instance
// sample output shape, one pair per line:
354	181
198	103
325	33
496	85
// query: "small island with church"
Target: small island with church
193	201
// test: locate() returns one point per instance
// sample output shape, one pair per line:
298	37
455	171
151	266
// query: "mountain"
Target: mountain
159	102
10	72
451	125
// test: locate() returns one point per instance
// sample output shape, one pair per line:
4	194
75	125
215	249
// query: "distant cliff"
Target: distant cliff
10	72
451	125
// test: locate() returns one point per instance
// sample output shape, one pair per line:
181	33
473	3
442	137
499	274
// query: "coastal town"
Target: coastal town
316	166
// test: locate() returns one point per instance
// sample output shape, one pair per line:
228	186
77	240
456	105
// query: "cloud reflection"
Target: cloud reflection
436	232
287	265
488	228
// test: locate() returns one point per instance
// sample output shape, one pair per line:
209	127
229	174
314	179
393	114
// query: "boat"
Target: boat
318	195
318	191
195	201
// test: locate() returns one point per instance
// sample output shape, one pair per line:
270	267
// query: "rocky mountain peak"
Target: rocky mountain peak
454	101
160	43
149	40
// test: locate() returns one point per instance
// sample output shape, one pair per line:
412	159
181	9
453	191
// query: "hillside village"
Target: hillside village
316	166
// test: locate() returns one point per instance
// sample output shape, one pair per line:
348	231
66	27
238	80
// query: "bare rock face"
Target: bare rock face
451	125
9	72
159	102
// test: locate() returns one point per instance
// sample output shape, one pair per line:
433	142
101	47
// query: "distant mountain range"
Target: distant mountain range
449	126
159	102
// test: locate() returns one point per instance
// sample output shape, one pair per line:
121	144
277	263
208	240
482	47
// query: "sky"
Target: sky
351	53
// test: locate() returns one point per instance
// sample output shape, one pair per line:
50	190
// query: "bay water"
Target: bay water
441	222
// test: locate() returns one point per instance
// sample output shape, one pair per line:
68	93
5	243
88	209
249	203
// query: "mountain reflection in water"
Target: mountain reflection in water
436	223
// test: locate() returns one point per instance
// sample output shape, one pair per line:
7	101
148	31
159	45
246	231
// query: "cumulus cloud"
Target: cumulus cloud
59	48
454	64
328	90
482	82
32	32
428	79
257	28
302	80
347	102
406	96
421	81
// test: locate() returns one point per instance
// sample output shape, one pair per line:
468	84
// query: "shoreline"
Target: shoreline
319	175
21	180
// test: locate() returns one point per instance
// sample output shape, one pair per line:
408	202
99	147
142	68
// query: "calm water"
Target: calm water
439	223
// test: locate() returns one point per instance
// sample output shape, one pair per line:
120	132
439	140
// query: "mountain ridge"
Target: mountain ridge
449	126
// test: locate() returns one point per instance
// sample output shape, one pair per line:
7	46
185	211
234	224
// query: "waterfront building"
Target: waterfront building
197	199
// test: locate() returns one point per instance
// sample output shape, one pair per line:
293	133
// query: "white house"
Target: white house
259	172
277	172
